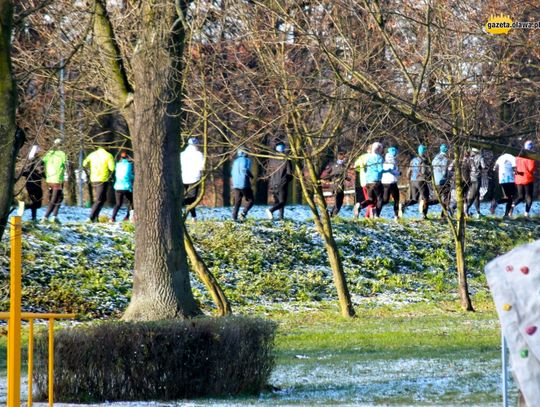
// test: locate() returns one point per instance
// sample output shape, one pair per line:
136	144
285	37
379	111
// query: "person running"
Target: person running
374	171
192	164
441	177
241	183
362	197
101	164
418	175
336	173
33	172
280	170
55	166
389	180
506	167
525	170
476	165
123	185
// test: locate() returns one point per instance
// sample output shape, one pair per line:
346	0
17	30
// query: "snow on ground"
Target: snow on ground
294	212
359	381
321	381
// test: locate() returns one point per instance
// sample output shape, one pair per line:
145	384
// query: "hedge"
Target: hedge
165	360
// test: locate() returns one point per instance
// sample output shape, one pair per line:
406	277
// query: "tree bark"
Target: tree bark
161	285
9	145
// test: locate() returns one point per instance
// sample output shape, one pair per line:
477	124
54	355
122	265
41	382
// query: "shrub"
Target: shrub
163	360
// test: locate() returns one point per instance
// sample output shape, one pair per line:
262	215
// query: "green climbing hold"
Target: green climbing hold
524	353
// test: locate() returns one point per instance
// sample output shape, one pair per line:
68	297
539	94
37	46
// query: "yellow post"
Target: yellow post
51	361
14	326
30	359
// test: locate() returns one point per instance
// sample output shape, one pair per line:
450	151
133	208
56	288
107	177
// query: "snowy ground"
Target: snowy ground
403	382
295	212
327	379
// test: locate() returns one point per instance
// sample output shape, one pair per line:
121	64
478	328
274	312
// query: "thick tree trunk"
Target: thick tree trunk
206	276
161	285
8	103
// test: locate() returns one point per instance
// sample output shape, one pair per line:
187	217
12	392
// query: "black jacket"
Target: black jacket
280	172
33	171
337	174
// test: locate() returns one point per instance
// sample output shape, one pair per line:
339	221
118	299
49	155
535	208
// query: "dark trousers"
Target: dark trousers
100	197
419	190
525	193
473	196
391	190
445	192
509	191
35	193
191	191
339	197
375	193
239	194
280	195
119	196
56	195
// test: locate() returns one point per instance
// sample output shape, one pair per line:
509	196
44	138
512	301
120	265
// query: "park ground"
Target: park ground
410	344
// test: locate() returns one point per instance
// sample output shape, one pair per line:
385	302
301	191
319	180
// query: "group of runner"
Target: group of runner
378	180
379	176
101	165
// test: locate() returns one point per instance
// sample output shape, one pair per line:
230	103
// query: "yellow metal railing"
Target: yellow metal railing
14	317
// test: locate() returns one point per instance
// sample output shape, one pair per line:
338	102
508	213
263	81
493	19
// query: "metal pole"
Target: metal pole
51	362
30	360
504	357
80	180
14	327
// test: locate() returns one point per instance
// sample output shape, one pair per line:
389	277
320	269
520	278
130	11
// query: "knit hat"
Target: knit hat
392	151
193	141
280	147
529	145
443	148
422	149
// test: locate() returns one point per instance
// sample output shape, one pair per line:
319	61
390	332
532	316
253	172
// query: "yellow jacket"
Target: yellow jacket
101	165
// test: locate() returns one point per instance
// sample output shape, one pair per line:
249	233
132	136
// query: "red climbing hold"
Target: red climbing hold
530	330
524	270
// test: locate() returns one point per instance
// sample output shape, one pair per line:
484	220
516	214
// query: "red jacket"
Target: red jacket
525	169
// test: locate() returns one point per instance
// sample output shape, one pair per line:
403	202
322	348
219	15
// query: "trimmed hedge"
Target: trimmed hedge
164	360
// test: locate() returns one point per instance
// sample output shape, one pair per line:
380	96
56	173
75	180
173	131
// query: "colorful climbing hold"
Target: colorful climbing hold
524	270
524	353
509	268
530	330
506	307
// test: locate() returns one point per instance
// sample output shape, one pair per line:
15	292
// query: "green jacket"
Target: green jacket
101	165
55	166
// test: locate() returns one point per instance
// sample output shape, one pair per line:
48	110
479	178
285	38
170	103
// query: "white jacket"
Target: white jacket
192	162
391	176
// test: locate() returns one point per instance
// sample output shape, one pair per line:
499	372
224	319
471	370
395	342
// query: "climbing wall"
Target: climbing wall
514	279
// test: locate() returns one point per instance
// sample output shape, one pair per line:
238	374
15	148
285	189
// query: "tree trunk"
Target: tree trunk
9	144
206	276
315	200
161	286
459	239
226	178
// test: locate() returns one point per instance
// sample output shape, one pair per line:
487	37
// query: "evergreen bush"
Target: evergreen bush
164	360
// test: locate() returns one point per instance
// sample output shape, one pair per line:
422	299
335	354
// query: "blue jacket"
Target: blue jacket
374	168
418	170
124	176
241	172
440	169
